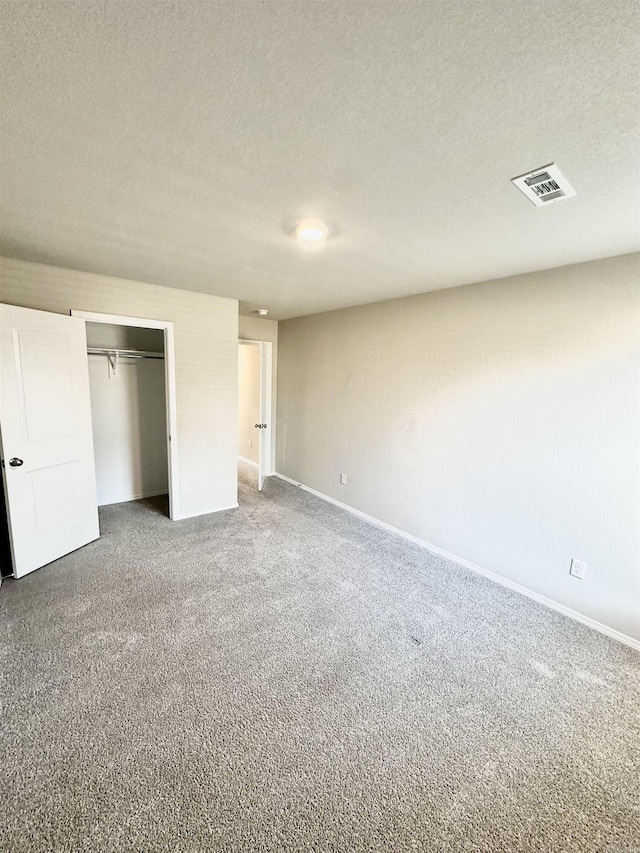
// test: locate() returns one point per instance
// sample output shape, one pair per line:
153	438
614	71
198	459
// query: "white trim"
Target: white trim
249	461
206	512
172	418
170	386
516	587
119	320
139	497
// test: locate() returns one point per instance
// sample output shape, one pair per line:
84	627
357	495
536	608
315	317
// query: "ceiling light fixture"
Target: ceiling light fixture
311	232
262	312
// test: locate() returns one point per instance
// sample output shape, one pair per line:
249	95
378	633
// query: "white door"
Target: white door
264	459
47	443
261	459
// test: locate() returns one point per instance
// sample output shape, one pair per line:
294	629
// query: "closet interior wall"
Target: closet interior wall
128	408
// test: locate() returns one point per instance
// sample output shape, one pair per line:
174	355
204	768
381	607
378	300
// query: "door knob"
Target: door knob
15	462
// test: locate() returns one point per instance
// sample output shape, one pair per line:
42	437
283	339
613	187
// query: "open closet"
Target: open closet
87	418
128	410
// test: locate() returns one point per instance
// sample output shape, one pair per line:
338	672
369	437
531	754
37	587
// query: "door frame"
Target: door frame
169	384
265	462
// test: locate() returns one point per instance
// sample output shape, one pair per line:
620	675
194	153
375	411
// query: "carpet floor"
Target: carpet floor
286	677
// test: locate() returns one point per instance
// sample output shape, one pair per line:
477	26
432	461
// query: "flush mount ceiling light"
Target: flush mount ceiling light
311	232
262	312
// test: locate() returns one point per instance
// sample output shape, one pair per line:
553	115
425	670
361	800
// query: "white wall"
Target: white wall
248	401
260	329
128	413
498	421
206	350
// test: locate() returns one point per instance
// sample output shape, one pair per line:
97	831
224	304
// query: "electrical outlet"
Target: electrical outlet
343	479
578	568
184	486
250	443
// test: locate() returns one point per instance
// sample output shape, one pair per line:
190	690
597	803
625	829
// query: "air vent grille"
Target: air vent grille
545	185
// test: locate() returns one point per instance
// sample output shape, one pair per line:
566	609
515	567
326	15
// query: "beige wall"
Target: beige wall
260	329
248	401
206	350
498	421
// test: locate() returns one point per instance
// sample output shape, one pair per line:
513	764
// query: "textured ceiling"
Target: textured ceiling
178	142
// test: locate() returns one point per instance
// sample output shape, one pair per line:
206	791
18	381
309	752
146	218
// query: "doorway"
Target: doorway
254	410
132	386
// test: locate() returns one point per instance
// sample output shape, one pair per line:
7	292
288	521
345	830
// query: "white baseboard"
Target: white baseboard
516	587
138	497
248	461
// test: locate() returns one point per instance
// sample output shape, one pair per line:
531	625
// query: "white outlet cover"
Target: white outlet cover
578	568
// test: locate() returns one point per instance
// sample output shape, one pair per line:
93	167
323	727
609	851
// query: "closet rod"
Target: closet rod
124	353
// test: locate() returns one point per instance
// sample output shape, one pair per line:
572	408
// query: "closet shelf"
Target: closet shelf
124	353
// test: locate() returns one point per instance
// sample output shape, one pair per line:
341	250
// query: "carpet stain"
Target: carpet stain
590	677
542	669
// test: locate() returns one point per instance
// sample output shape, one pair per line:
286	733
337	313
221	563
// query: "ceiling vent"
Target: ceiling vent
545	185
